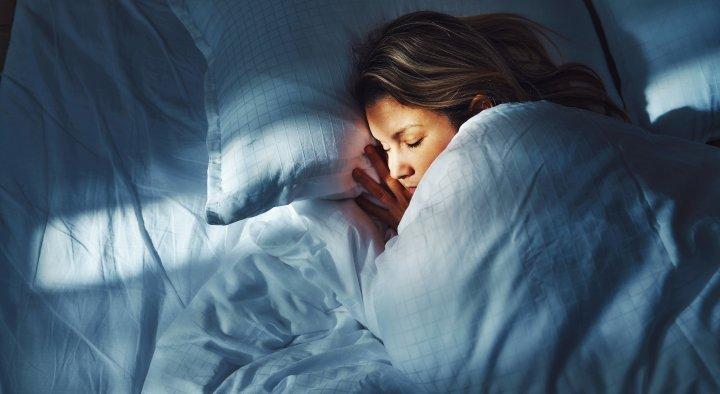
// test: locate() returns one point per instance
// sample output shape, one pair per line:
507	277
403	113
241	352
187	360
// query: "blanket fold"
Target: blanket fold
550	248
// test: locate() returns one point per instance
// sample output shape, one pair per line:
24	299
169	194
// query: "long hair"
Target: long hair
439	62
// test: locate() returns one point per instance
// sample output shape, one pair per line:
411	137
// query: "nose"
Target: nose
399	167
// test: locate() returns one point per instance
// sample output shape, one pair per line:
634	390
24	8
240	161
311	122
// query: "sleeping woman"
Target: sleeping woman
421	76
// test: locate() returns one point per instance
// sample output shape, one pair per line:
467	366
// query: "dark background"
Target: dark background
6	14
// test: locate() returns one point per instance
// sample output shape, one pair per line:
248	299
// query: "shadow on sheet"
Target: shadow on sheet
102	190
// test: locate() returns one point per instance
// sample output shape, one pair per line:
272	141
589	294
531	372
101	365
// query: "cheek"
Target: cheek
434	151
429	154
424	159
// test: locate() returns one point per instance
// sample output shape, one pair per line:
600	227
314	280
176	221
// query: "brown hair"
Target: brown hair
443	63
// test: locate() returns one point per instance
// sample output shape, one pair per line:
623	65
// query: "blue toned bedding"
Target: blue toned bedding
552	249
668	58
103	157
283	126
286	313
547	249
103	239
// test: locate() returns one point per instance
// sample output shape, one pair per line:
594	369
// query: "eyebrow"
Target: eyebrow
402	131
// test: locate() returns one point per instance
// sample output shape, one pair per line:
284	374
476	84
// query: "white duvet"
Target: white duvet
285	314
554	249
546	249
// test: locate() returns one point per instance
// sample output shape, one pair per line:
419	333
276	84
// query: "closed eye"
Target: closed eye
415	145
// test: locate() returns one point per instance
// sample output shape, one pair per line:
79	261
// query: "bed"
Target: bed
111	279
103	237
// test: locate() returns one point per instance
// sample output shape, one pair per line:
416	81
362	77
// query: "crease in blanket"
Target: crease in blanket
284	310
315	238
587	292
460	298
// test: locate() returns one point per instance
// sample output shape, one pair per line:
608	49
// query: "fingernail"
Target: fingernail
369	149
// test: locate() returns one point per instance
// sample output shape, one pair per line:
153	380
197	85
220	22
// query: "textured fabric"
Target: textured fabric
103	239
281	125
102	193
552	249
285	314
668	57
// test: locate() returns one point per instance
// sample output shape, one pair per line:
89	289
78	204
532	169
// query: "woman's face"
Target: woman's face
412	137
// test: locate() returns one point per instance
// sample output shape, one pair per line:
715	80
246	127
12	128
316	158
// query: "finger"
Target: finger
402	195
377	161
372	187
374	210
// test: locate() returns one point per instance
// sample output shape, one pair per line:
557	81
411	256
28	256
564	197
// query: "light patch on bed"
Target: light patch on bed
106	247
669	90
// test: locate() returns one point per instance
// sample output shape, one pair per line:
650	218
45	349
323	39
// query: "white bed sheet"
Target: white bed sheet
103	239
286	313
102	192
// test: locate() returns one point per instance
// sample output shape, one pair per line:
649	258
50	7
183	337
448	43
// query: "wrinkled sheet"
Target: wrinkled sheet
547	249
552	249
103	242
102	172
286	314
565	263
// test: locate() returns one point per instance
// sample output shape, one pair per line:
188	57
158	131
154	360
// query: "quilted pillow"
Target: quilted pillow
281	124
668	57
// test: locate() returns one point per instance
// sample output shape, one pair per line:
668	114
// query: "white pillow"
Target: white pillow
281	125
668	56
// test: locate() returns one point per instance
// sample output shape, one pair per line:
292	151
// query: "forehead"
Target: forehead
386	116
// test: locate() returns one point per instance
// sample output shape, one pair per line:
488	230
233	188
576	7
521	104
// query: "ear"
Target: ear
479	103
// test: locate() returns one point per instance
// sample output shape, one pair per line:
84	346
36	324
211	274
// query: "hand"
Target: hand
390	191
